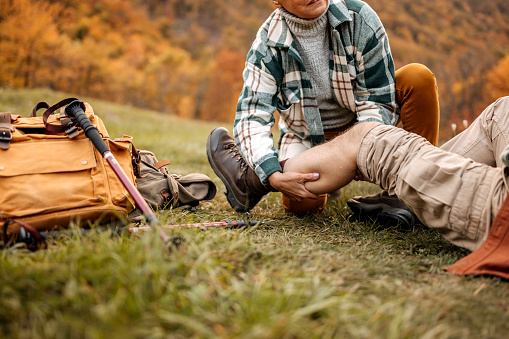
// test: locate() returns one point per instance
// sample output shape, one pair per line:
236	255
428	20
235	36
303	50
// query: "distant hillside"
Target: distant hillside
186	57
461	41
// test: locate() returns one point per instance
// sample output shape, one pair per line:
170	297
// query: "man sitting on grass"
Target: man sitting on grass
450	193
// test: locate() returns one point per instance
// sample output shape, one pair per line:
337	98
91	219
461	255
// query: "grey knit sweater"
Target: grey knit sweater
312	40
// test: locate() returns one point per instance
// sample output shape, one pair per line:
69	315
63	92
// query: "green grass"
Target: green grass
311	277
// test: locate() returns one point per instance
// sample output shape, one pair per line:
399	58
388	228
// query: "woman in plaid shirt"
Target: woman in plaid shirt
324	65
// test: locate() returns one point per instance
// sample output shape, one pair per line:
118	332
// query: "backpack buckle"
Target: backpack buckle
72	130
6	130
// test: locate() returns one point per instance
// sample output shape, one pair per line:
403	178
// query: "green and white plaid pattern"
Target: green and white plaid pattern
361	75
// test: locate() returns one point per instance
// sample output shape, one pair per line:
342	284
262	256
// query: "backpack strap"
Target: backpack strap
6	130
160	166
38	106
67	124
37	242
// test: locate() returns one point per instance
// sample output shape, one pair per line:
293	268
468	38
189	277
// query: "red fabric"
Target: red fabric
492	257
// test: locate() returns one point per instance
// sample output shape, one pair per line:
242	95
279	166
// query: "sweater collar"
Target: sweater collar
303	27
279	34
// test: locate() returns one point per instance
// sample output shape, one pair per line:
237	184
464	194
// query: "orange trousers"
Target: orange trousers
417	97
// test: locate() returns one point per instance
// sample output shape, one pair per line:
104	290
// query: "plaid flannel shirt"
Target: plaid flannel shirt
361	75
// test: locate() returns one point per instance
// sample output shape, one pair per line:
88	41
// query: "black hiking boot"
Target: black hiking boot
243	187
387	209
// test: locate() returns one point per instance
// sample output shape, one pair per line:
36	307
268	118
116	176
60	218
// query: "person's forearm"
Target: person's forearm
254	120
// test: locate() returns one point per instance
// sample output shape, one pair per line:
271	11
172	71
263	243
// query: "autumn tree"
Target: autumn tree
225	84
29	42
497	80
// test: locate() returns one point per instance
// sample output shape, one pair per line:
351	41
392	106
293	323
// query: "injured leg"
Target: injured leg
335	161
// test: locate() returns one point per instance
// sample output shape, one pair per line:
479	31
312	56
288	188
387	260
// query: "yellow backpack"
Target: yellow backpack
51	174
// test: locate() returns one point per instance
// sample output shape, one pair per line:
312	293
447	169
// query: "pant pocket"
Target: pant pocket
439	197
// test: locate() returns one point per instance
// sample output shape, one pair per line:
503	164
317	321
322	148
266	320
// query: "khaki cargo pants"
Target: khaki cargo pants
457	189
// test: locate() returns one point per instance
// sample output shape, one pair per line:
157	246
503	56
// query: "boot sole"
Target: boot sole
383	213
234	203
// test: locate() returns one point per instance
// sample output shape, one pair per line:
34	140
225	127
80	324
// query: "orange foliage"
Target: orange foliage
220	100
29	42
497	84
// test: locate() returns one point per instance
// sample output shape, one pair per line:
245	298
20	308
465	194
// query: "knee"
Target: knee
416	76
503	101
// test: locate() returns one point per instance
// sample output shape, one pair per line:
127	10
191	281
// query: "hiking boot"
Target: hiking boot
243	187
387	209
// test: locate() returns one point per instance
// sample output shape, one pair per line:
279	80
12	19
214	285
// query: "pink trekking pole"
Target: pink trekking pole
76	109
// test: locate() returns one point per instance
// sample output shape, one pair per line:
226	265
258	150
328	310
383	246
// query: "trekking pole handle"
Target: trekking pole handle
77	109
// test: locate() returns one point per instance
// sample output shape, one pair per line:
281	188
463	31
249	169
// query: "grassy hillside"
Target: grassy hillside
312	277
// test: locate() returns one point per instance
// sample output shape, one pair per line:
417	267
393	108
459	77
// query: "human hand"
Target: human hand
292	185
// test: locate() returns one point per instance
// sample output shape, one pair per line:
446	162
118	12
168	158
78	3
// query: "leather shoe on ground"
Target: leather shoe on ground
386	209
243	187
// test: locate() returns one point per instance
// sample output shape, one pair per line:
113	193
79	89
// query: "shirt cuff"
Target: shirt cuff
266	168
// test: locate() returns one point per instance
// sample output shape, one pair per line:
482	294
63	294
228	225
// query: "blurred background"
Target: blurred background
185	57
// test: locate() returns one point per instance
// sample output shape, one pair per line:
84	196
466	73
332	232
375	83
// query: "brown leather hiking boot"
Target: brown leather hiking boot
243	187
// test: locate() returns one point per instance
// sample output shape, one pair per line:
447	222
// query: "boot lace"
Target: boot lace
232	148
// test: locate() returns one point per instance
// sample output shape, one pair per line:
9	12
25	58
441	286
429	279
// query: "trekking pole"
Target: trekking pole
76	109
232	224
27	237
